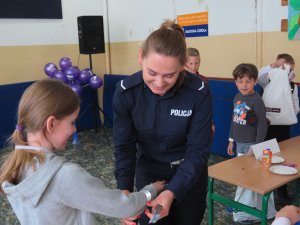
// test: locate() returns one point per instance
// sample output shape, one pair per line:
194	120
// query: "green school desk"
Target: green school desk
247	172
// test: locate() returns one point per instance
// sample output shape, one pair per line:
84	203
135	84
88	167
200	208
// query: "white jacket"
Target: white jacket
281	221
263	80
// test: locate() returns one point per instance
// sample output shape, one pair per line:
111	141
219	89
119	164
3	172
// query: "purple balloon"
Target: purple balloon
76	88
72	73
50	69
84	77
96	82
60	75
65	63
89	70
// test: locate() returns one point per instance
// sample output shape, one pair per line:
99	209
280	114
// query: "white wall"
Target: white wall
18	32
133	20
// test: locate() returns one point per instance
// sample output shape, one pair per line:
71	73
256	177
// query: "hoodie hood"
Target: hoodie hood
31	189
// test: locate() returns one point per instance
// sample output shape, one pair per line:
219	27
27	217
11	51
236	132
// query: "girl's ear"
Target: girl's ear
50	123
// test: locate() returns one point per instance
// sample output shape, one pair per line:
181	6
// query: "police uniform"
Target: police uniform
165	138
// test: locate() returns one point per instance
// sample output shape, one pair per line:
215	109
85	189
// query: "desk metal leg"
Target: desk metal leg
264	208
210	201
262	214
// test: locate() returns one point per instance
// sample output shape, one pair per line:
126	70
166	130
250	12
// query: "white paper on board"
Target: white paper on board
257	149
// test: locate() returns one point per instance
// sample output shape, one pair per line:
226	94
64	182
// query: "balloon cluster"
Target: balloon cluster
72	75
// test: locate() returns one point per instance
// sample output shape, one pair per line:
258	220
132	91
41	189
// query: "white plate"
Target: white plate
275	159
283	170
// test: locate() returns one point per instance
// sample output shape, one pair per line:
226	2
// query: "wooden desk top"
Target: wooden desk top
247	172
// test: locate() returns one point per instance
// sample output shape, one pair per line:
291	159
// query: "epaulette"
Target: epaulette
195	82
130	82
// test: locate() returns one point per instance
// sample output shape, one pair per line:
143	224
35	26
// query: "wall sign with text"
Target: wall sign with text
194	24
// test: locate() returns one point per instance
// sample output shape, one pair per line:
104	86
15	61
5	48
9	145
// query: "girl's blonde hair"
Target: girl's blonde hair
168	40
42	99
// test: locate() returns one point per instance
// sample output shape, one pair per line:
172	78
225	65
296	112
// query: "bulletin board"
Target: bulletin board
31	9
294	20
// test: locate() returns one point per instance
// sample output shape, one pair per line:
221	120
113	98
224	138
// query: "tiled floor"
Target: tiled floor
95	154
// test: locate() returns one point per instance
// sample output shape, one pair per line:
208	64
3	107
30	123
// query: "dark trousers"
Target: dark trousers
281	133
189	210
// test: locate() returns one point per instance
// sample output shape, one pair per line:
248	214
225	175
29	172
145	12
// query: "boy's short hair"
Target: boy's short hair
192	52
287	57
245	69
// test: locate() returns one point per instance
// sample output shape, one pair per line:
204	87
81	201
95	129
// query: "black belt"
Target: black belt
169	164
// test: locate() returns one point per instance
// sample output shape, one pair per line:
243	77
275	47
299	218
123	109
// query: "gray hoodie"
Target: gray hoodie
63	193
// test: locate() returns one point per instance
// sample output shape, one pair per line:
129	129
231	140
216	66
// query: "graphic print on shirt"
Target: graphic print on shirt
243	114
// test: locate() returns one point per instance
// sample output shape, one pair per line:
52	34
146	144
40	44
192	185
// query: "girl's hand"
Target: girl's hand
129	221
159	186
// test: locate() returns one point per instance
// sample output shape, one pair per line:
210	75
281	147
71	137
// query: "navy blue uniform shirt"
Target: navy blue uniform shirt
163	129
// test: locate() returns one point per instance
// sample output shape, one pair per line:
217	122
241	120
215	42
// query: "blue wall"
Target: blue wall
109	86
223	92
10	95
9	98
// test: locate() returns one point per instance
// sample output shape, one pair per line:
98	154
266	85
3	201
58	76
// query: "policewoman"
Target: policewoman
162	130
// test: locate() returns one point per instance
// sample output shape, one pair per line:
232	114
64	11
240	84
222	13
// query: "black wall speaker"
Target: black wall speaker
91	34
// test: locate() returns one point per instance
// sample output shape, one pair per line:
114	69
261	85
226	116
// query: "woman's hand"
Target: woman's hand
164	199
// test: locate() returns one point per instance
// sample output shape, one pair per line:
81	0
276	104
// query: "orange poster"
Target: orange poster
194	24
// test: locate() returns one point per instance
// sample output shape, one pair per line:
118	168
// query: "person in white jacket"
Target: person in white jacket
288	215
42	187
263	76
280	132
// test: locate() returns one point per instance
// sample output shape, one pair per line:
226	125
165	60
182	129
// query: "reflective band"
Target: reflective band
148	194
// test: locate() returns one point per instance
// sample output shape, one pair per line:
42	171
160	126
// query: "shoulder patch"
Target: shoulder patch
195	82
129	82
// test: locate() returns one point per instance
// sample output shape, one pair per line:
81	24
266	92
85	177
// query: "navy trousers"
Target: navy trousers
189	210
